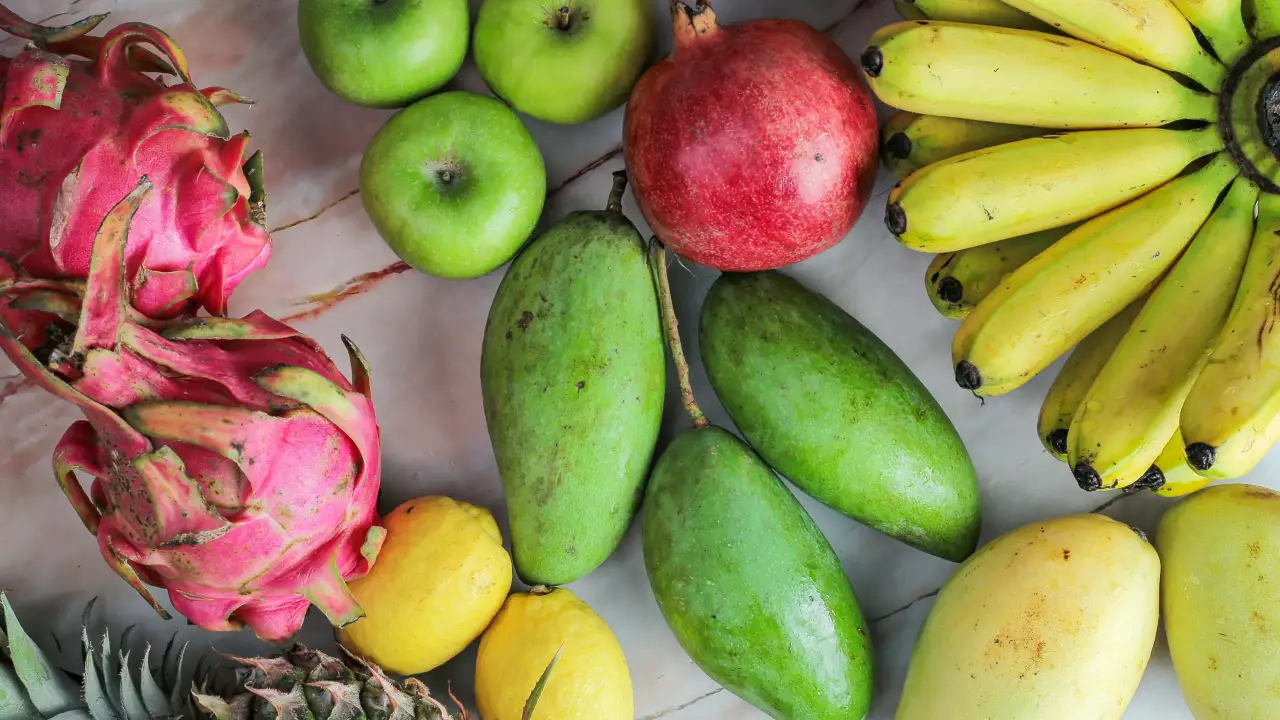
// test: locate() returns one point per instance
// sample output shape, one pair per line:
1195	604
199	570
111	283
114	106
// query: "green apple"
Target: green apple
454	184
384	53
563	61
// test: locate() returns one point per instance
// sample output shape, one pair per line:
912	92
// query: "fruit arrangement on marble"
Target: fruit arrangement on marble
1096	180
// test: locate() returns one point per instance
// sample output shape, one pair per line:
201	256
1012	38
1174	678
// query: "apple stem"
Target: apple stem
672	325
565	16
615	195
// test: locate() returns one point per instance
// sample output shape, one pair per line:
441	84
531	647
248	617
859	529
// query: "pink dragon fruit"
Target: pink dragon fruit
234	465
75	137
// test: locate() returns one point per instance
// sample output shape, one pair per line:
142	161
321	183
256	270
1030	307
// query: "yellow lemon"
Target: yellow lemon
440	578
590	680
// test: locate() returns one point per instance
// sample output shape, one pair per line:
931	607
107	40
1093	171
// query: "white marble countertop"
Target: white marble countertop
422	336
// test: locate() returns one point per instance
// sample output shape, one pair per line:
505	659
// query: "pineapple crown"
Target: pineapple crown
300	684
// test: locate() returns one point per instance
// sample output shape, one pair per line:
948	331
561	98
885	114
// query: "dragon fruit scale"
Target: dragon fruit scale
232	463
76	136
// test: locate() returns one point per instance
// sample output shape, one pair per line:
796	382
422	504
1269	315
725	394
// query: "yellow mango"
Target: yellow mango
1221	549
1052	621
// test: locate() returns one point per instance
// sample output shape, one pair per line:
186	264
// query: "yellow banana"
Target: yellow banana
1064	293
1077	374
1132	408
1151	31
956	281
909	141
908	10
1264	16
1171	476
981	12
1231	418
1023	77
1037	184
1222	22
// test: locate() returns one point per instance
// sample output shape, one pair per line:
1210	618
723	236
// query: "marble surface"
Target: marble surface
331	274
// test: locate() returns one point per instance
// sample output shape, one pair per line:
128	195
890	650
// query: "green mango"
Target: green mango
750	586
573	373
832	408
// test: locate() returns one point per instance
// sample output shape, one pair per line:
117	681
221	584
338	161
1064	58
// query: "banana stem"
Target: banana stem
672	326
615	195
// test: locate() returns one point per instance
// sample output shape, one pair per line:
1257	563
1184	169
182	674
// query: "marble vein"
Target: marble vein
684	706
842	20
1124	495
327	207
11	386
906	607
355	286
593	165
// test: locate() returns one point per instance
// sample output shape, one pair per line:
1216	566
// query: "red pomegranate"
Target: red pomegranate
753	145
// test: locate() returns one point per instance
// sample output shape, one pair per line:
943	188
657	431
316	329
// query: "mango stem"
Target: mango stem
672	326
615	195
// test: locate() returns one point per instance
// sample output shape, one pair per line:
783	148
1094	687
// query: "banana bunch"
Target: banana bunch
1100	179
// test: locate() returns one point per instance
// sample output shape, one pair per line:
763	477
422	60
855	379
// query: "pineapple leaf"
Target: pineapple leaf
130	698
95	697
107	668
153	698
288	706
14	703
175	682
125	637
273	672
343	700
85	617
77	714
201	673
532	703
166	663
437	710
219	708
49	689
